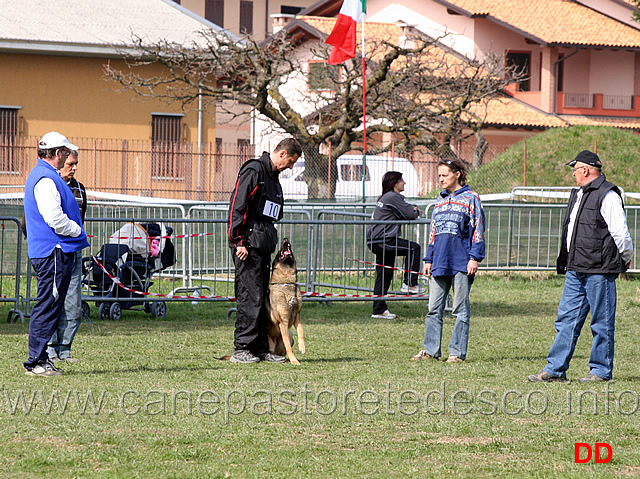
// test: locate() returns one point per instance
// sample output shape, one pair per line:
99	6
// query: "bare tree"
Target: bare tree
421	93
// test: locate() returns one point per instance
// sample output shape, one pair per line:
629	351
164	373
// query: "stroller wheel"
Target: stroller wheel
115	311
159	309
103	311
86	311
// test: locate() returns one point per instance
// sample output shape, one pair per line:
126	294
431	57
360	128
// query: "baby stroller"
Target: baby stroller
133	255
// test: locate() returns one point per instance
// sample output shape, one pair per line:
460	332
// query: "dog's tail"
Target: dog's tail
224	358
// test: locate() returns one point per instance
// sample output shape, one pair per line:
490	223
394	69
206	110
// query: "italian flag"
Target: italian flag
343	35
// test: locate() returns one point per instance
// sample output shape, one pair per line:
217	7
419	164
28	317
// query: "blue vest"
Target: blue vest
41	238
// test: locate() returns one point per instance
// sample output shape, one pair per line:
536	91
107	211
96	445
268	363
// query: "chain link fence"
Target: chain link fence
184	171
346	178
207	173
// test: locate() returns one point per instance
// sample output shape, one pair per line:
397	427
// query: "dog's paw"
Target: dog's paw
295	361
302	349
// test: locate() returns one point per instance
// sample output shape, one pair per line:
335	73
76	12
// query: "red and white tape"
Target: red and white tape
387	267
194	235
157	295
232	298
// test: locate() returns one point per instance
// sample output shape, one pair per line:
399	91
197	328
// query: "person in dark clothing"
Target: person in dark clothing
55	234
59	347
385	242
256	204
595	247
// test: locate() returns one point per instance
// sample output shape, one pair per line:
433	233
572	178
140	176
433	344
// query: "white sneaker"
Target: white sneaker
386	315
417	289
45	368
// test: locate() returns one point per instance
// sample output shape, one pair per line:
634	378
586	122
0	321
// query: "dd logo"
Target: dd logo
597	447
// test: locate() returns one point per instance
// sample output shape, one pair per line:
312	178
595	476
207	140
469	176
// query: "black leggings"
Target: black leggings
386	255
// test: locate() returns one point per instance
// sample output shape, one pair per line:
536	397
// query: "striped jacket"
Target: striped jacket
457	232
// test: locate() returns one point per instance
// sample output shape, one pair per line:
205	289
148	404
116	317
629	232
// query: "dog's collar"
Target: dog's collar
282	283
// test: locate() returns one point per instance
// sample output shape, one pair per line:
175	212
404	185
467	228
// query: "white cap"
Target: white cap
53	139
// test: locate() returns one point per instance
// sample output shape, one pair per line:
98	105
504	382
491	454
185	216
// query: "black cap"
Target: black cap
588	158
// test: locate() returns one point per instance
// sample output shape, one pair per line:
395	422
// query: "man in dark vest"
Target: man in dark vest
54	236
595	248
256	204
59	348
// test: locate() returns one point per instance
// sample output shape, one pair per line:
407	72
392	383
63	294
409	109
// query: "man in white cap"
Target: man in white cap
54	236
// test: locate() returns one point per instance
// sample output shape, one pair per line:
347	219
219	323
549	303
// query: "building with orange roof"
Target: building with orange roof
581	57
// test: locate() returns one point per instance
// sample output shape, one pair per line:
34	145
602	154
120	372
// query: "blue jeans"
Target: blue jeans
438	290
70	317
582	293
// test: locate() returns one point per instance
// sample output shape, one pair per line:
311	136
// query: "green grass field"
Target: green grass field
149	398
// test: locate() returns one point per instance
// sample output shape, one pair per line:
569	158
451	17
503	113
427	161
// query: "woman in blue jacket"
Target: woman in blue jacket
385	242
456	246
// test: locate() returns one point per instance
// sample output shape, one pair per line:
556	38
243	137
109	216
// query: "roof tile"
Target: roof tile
562	22
96	22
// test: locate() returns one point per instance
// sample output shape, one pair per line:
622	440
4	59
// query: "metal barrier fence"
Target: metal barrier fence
343	265
334	262
10	252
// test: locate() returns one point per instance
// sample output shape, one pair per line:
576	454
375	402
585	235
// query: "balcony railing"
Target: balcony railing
578	100
617	102
624	106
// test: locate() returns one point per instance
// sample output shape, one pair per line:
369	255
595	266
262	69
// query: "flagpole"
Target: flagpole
364	120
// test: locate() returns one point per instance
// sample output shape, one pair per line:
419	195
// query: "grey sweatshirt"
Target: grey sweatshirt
390	206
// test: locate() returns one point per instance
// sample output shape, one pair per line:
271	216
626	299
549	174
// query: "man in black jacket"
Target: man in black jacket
595	247
256	204
59	347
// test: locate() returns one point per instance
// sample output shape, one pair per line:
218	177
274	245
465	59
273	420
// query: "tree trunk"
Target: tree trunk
481	148
321	183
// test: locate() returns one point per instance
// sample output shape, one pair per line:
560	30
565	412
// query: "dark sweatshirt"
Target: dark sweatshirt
390	207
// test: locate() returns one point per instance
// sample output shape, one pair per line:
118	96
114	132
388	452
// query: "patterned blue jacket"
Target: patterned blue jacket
457	232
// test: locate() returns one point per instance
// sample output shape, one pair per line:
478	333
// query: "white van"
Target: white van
349	181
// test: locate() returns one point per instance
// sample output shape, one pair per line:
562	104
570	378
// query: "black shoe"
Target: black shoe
243	357
545	377
272	358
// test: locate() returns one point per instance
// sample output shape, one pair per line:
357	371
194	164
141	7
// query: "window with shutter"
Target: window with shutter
246	17
214	12
8	139
165	141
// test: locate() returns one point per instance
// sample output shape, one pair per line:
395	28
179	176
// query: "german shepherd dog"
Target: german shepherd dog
285	303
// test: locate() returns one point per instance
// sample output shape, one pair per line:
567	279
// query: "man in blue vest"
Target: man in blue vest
595	247
55	234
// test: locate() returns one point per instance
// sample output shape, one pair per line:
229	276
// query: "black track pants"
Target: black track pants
252	293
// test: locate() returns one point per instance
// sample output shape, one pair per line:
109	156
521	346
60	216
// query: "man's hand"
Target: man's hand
242	252
426	269
472	267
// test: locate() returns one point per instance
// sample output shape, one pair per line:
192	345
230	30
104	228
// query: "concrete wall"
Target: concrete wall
73	96
455	31
262	10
